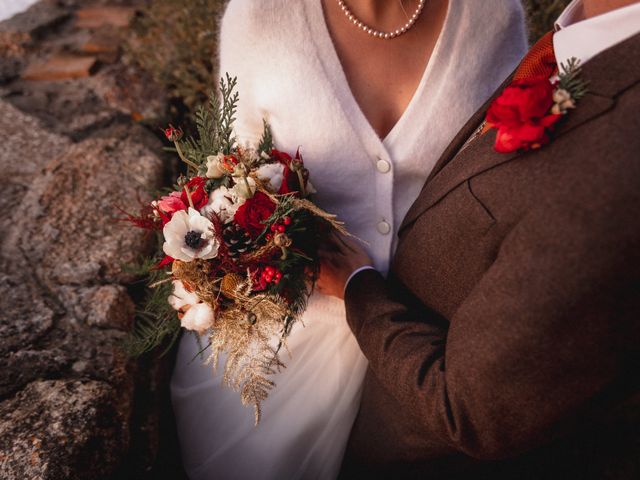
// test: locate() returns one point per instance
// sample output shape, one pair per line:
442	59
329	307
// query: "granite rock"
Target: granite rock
73	405
26	147
63	429
71	212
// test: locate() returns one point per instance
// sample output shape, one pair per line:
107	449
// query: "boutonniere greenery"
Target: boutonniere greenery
528	110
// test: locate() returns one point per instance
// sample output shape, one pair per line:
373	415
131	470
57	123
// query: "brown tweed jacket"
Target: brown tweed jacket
506	342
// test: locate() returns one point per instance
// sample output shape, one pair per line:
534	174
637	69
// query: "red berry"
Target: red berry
277	280
287	220
281	228
273	227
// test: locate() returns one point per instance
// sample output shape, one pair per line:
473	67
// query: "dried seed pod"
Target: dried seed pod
230	283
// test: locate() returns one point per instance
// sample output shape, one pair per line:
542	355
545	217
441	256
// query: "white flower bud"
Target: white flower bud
561	95
215	167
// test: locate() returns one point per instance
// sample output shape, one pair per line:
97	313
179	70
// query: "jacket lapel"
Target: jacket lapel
455	167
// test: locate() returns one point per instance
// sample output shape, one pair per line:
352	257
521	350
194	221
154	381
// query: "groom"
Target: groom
506	343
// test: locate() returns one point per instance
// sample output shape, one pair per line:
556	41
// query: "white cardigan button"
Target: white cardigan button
383	166
384	228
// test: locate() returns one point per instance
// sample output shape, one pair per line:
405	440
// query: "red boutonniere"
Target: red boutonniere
527	111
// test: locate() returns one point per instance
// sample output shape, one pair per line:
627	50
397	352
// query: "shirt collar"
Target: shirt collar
584	39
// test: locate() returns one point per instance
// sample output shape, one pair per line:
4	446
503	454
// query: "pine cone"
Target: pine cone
236	239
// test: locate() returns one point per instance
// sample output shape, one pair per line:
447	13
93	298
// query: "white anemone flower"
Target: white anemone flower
272	174
189	236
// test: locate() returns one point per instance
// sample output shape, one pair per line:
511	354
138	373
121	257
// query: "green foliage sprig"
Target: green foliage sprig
570	80
214	126
156	323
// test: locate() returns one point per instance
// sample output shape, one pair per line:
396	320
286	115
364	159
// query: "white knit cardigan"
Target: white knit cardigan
289	73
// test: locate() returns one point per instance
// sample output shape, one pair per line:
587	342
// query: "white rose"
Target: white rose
272	174
215	167
189	236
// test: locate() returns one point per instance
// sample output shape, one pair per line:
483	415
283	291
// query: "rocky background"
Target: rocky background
74	147
79	133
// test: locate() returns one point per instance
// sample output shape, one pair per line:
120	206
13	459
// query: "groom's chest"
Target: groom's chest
454	232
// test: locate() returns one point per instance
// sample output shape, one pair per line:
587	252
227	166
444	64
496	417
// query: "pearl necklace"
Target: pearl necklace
377	33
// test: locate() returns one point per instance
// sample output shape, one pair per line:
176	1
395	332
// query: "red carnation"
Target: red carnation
198	193
253	214
522	115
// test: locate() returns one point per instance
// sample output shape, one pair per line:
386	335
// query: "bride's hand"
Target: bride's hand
339	258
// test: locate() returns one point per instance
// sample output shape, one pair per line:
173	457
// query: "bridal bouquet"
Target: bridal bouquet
239	249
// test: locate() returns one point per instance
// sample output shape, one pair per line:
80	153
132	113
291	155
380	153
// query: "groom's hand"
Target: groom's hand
339	258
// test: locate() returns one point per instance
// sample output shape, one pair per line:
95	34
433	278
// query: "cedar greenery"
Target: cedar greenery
156	323
569	79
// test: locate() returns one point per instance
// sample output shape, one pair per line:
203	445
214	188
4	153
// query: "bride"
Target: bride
371	114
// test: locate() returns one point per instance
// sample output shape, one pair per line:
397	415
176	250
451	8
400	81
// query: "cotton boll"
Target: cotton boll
272	174
198	317
221	204
181	297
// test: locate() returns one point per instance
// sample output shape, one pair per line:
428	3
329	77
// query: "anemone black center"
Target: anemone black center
193	239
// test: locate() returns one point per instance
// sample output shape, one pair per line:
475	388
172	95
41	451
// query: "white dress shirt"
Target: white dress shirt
584	39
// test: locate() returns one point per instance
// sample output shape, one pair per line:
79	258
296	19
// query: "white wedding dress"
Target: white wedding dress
289	73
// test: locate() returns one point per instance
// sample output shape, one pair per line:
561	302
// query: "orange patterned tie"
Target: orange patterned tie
540	61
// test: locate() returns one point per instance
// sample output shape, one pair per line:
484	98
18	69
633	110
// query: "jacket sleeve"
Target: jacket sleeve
529	351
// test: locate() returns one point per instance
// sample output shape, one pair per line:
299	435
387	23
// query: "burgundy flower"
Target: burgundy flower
290	182
173	134
199	195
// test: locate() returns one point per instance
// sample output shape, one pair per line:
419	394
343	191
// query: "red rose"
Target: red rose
521	115
198	193
253	214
